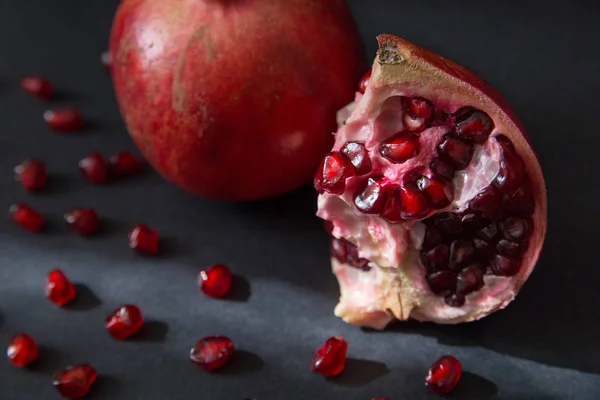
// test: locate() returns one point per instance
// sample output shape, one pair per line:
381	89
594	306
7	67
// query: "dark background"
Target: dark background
545	61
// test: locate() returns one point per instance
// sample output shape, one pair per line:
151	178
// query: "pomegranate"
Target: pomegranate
330	358
439	211
231	99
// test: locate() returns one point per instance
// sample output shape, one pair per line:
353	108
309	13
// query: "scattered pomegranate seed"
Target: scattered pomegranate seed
67	119
28	218
143	239
215	281
330	358
443	375
124	321
333	172
74	382
83	221
93	168
37	86
212	352
59	290
22	350
32	174
400	147
364	82
126	164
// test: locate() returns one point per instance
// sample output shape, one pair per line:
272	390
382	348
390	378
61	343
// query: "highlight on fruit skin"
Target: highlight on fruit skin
449	218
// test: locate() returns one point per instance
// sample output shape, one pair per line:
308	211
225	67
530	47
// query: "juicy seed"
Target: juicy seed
353	259
456	151
391	211
93	168
455	300
126	164
400	147
520	202
27	218
436	259
413	203
469	280
22	350
504	266
83	221
338	249
333	172
438	193
38	87
516	229
462	252
448	223
418	107
443	375
364	82
124	321
414	124
432	238
75	382
215	281
511	249
59	289
442	282
330	358
370	196
32	174
359	156
212	352
512	169
473	125
484	249
473	221
144	240
489	232
487	202
441	169
64	119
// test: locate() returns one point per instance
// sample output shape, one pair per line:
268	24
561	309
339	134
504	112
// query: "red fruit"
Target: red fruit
215	281
83	221
28	218
333	172
126	164
452	218
218	123
143	239
212	352
22	350
32	174
364	82
59	290
75	382
330	358
37	86
124	321
443	375
67	119
93	168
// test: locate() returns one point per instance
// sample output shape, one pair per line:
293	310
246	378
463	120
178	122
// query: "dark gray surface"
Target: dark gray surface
544	346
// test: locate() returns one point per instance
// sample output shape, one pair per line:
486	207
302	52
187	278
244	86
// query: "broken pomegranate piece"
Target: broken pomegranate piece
37	86
144	240
32	174
59	290
212	352
75	382
438	211
27	218
83	221
22	350
124	321
443	375
67	119
330	358
215	281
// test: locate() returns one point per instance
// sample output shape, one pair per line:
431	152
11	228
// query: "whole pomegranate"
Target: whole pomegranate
433	196
234	99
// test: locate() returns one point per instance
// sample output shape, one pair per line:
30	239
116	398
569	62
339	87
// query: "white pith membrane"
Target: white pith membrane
396	286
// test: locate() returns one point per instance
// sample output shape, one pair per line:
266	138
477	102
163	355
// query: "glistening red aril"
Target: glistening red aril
22	350
94	168
126	163
215	281
144	240
364	82
83	221
212	352
443	375
32	174
446	204
37	86
27	217
124	321
74	382
333	172
330	358
67	119
59	289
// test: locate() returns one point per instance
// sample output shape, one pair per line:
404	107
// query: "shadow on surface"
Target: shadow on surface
105	387
60	183
360	373
153	331
475	387
85	299
243	363
50	360
240	289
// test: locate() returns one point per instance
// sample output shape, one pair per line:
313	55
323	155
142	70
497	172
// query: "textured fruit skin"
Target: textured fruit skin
228	101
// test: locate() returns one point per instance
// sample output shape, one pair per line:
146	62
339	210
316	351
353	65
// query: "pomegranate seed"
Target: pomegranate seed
487	202
143	239
330	358
126	164
32	174
456	152
364	82
83	221
400	147
338	249
59	290
370	196
438	194
93	168
37	86
521	202
64	119
28	218
436	259
432	238
74	382
448	223
473	124
512	169
212	352
462	253
516	229
22	350
443	375
333	172
442	169
215	281
328	226
469	280
455	300
413	203
489	232
353	259
418	107
359	156
124	321
504	266
473	221
511	249
391	211
442	282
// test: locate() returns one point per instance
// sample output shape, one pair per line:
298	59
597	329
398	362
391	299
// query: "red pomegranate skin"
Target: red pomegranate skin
234	100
